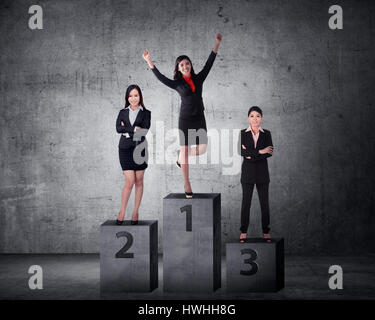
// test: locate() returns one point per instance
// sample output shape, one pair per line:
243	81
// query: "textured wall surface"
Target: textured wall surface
62	87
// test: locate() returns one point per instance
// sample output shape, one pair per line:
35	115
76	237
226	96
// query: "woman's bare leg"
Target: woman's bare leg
184	162
126	191
138	193
197	150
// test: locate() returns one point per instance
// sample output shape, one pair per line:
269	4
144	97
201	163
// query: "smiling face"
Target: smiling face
134	98
255	119
184	67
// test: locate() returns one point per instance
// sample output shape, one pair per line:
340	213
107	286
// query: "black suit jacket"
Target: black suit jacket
254	170
191	102
142	120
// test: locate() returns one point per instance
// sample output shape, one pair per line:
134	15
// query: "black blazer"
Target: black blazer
254	170
142	120
191	102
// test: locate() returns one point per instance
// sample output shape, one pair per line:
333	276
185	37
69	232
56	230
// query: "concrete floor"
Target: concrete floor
76	276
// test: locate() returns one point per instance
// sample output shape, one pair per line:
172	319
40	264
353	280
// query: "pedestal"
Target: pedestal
128	256
192	243
255	266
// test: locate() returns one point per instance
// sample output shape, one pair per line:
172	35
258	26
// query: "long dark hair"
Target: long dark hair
177	74
130	88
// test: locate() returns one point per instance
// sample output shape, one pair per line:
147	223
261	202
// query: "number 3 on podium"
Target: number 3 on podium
250	261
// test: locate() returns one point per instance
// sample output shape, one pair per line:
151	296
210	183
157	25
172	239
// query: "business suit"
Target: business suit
254	171
192	108
132	158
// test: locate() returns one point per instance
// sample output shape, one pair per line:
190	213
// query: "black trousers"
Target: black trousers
247	194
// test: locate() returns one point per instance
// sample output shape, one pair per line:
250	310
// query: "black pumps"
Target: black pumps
188	195
267	237
132	222
178	157
243	239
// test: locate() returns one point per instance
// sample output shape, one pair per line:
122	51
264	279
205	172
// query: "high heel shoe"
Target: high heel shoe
267	237
243	239
119	222
188	195
134	222
178	157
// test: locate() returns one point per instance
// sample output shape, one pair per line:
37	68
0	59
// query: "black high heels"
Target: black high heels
267	237
243	239
188	195
119	222
134	222
178	157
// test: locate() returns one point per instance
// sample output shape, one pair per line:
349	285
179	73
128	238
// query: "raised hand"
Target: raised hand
146	55
219	37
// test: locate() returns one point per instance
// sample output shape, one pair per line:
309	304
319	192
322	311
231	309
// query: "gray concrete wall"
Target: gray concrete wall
61	89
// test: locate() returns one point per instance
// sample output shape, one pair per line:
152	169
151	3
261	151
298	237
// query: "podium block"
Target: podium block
192	243
128	256
255	266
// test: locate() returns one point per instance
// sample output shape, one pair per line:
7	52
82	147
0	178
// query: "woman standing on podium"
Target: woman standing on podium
133	123
256	147
189	85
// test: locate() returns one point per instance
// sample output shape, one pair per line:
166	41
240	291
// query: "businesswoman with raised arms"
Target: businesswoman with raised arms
132	123
192	122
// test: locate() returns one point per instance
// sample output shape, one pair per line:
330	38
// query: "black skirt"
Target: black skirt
197	133
131	160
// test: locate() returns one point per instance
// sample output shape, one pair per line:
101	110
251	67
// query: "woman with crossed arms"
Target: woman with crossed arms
256	147
132	123
189	86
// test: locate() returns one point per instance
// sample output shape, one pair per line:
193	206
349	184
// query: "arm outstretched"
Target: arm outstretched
162	78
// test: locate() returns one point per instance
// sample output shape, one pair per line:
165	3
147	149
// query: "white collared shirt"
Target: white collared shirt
133	114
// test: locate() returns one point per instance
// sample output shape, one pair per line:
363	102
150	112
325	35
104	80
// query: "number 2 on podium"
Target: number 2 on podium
122	252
